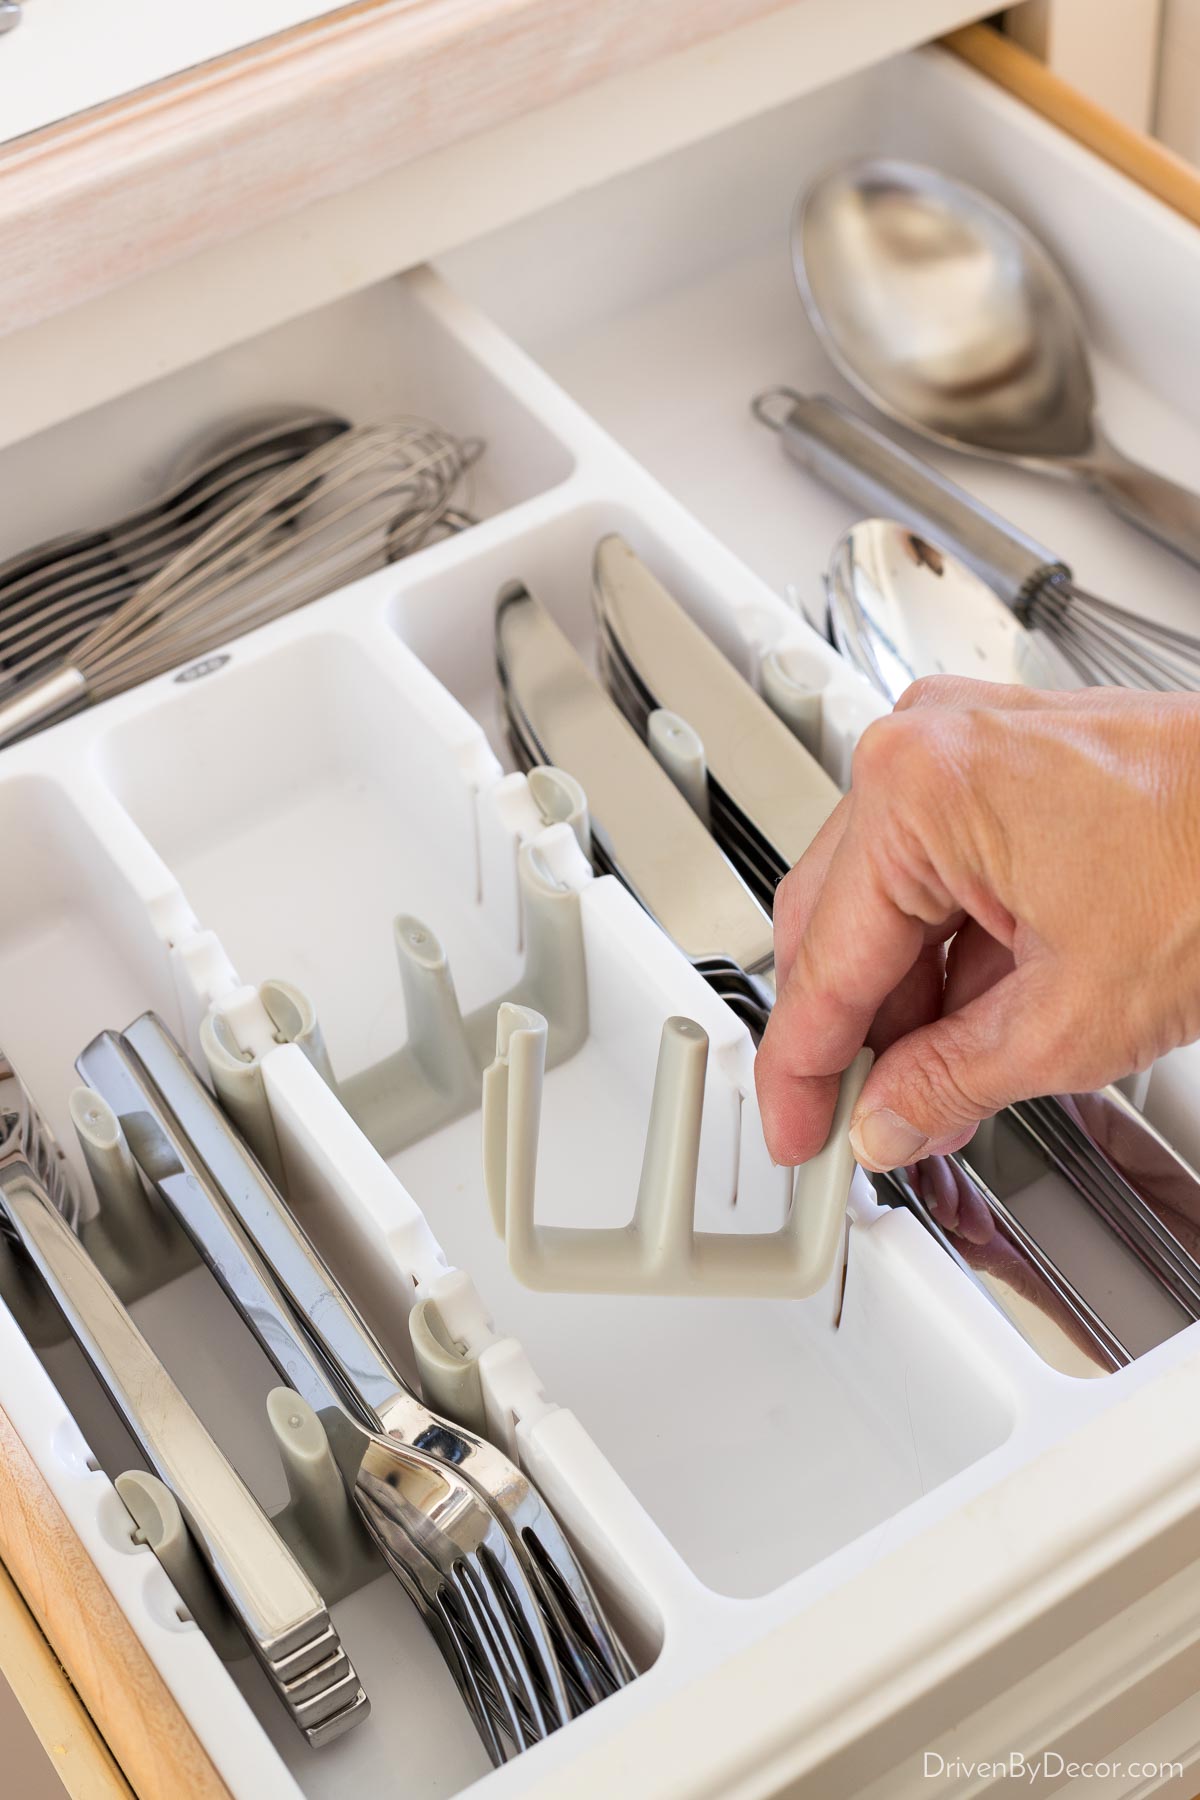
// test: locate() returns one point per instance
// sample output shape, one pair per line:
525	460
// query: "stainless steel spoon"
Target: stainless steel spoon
900	607
950	317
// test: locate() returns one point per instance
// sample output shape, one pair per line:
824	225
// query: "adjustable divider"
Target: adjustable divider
435	1077
660	1251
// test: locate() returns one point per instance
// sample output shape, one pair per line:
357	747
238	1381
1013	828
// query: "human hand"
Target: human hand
1052	842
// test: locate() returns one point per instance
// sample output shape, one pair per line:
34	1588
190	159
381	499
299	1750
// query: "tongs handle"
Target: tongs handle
314	1295
264	1584
164	1152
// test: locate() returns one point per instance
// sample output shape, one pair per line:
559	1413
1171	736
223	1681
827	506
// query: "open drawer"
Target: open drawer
835	1532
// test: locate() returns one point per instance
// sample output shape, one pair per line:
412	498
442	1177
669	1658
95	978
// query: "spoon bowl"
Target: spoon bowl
949	316
900	608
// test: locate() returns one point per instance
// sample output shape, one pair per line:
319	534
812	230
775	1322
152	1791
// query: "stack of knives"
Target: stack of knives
705	866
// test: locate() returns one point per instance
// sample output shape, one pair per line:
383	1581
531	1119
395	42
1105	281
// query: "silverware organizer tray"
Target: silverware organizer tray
721	1464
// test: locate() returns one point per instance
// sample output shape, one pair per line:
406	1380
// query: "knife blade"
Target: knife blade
643	828
767	785
768	797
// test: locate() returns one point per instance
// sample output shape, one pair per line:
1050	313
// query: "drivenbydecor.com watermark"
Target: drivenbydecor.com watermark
1045	1766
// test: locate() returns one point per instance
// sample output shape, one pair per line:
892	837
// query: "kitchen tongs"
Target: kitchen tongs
457	1522
280	1611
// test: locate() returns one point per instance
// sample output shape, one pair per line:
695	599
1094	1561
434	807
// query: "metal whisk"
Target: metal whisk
53	595
1104	644
370	495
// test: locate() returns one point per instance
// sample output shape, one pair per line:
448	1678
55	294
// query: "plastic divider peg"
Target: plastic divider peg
560	800
159	1523
114	1174
791	681
318	1524
677	749
660	1251
451	1383
844	718
131	1238
235	1034
436	1077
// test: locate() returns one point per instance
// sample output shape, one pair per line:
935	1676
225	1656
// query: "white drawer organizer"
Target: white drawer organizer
731	1470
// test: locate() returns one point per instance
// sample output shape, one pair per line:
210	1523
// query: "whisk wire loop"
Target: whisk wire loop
351	505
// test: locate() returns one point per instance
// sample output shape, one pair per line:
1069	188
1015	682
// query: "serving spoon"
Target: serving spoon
951	318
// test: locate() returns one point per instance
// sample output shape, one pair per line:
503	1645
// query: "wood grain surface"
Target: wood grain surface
93	201
76	1754
1150	164
114	1678
90	202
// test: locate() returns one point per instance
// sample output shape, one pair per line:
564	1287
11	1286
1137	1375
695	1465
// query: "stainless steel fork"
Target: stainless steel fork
435	1531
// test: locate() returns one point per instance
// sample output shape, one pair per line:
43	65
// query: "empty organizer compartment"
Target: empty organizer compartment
78	946
304	796
835	1428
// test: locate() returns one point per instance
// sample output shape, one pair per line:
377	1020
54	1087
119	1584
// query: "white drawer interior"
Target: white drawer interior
720	1462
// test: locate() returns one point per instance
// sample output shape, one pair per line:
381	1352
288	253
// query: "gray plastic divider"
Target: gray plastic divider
437	1076
660	1251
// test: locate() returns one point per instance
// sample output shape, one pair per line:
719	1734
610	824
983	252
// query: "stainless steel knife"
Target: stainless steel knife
643	829
769	796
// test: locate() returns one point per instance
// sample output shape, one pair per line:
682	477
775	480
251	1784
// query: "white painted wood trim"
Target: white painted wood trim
89	204
1108	49
178	287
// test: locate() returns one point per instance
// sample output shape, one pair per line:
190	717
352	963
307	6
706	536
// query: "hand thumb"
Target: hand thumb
929	1090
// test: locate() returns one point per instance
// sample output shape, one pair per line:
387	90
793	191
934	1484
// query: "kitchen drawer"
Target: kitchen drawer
834	1531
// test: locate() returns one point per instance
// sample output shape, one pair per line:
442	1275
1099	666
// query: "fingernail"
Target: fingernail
883	1140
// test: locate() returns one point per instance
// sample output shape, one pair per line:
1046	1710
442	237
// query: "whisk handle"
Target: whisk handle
42	701
849	455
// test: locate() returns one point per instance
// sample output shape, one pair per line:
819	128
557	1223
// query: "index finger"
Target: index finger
797	893
858	944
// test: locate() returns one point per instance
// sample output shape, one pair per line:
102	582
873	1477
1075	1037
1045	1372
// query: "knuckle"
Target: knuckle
914	755
929	690
944	1094
879	751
